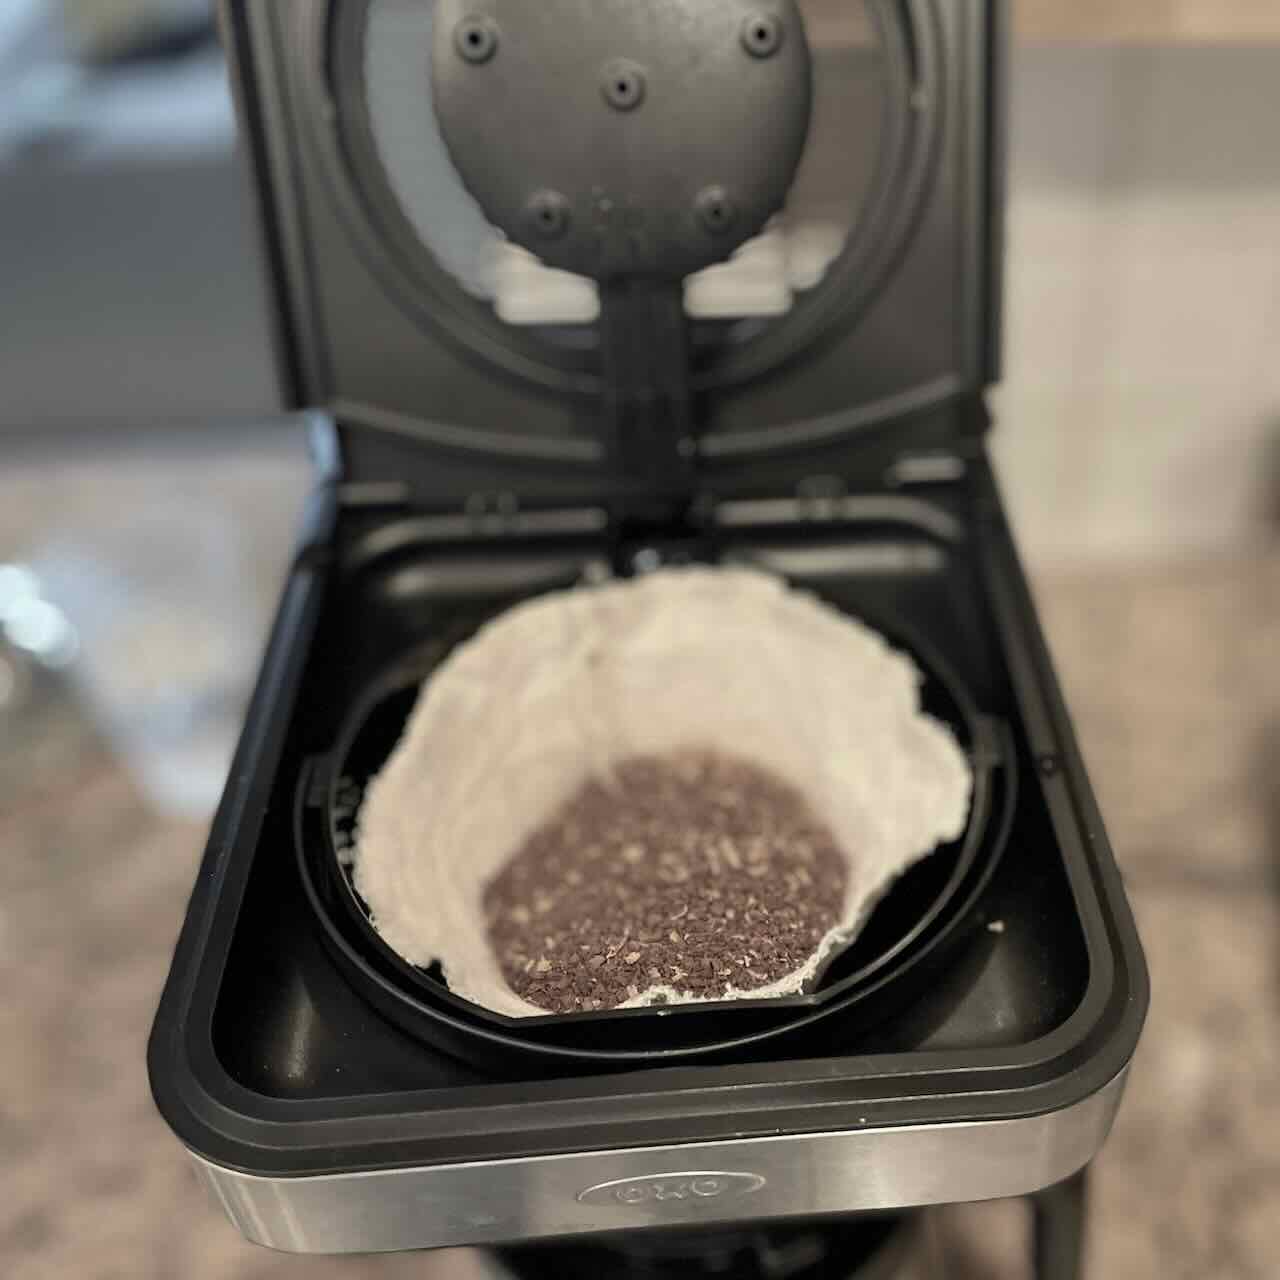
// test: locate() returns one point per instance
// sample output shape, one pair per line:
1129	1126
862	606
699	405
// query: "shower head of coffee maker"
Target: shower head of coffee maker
631	144
624	141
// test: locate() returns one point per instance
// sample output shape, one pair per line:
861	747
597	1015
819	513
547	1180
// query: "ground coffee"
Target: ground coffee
698	871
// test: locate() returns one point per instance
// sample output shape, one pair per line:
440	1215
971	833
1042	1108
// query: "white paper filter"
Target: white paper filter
566	685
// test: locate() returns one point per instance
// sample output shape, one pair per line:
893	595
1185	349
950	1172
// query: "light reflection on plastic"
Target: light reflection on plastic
17	585
40	629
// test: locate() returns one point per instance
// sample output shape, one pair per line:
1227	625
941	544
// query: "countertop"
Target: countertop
1171	673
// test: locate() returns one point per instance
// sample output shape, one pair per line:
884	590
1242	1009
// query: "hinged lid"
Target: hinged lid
456	363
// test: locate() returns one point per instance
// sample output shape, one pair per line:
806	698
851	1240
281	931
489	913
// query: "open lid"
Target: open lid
455	362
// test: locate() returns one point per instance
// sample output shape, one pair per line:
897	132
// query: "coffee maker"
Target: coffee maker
577	290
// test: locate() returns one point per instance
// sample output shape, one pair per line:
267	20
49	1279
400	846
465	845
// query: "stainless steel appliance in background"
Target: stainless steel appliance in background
712	281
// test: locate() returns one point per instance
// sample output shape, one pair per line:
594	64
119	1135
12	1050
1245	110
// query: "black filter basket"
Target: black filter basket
899	948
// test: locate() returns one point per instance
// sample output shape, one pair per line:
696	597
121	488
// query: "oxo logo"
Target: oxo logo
672	1188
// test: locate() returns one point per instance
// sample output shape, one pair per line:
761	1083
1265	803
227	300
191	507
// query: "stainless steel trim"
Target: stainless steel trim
760	1178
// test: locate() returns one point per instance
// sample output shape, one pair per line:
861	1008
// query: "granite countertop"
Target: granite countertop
1171	675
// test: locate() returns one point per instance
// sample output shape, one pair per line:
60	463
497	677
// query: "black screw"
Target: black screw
547	213
715	209
761	35
622	84
476	39
1048	764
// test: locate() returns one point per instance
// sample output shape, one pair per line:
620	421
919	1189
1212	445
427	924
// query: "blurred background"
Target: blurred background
149	487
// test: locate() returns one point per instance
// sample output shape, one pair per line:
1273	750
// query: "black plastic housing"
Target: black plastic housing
264	1059
451	485
437	401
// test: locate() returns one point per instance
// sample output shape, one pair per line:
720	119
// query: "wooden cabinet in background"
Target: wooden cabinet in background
1149	21
844	22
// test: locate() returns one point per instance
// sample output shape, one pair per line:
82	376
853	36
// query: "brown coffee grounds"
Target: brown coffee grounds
697	871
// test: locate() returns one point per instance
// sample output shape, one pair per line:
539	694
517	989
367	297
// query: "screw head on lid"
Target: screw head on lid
476	39
547	213
716	210
623	84
761	35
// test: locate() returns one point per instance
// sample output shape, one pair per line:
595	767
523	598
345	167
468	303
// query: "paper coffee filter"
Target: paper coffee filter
571	683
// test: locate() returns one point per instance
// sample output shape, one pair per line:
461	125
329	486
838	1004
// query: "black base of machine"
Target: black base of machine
1037	1006
858	1249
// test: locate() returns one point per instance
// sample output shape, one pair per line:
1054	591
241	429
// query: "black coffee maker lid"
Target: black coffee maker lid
461	359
